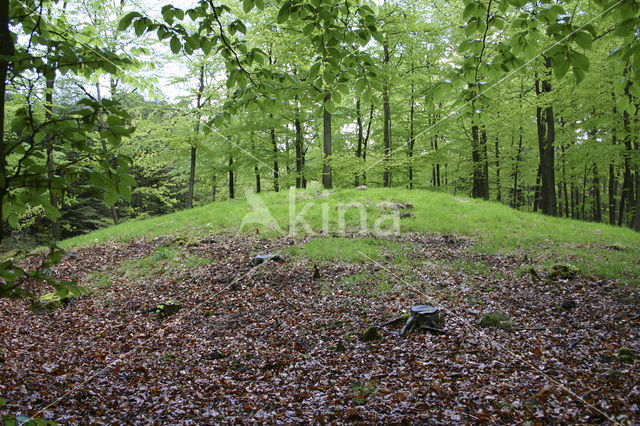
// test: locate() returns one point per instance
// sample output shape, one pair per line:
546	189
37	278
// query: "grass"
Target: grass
158	262
345	249
595	249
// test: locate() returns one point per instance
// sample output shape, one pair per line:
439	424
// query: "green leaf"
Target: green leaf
330	106
560	68
260	4
578	60
336	97
583	39
126	20
308	29
625	28
313	71
284	13
175	45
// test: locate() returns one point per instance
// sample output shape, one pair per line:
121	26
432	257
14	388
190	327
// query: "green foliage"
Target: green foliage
370	334
563	272
362	390
496	320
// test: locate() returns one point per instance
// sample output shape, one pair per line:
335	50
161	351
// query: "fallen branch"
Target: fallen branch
393	321
576	343
537	328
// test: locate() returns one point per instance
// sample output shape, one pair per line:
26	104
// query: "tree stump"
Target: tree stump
424	317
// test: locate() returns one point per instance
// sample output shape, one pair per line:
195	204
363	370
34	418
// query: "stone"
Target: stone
261	258
362	187
563	271
214	355
568	304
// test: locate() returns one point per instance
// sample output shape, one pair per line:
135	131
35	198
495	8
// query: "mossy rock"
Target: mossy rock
370	333
625	354
627	359
340	347
496	320
563	271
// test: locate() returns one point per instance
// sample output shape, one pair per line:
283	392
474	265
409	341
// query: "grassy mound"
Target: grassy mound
595	249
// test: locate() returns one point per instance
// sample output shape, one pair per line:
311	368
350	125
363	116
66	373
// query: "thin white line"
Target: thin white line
455	111
494	342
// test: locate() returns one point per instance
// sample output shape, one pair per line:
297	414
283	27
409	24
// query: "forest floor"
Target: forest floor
278	343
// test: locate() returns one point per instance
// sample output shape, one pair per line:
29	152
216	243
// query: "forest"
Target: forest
115	110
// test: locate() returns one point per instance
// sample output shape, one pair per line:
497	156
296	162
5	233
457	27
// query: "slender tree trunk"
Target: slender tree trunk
546	139
499	197
613	181
299	147
213	188
412	140
232	192
597	206
192	163
192	177
276	165
536	195
386	178
636	220
6	51
625	198
564	183
53	199
365	144
360	140
257	173
480	177
515	203
584	193
613	186
326	138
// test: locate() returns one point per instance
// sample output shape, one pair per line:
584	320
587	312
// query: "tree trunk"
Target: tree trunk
6	51
213	188
365	144
326	138
536	195
636	221
412	140
627	185
360	140
276	165
192	164
192	177
584	192
299	147
386	178
546	139
48	108
480	176
564	184
499	196
597	207
232	192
